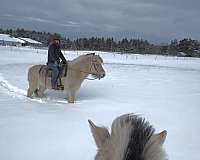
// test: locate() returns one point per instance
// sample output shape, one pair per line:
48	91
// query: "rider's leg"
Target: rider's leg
55	73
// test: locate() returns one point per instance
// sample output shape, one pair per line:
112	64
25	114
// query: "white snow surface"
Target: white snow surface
164	90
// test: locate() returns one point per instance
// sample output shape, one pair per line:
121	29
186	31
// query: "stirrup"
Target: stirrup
60	87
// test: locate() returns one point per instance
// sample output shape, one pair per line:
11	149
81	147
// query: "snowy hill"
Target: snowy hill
7	37
164	90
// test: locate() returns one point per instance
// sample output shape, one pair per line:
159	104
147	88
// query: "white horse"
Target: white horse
131	138
77	70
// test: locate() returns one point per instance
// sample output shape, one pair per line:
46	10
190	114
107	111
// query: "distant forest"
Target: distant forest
185	47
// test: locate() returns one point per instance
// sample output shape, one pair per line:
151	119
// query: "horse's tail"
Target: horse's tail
30	73
35	73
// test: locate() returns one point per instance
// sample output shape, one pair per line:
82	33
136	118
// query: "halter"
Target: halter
93	64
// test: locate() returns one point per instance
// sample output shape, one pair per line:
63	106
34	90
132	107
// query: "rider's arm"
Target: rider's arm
62	57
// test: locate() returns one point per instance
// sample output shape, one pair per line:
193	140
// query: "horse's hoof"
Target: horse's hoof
70	101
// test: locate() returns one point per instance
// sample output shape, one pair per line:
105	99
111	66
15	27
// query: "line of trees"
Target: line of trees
107	44
185	47
93	43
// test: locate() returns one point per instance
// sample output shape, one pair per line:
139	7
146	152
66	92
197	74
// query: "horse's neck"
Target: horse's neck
81	65
81	62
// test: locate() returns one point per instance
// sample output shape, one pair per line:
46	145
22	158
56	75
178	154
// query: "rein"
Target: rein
91	79
83	72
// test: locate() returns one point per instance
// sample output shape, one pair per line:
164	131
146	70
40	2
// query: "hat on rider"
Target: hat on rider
56	38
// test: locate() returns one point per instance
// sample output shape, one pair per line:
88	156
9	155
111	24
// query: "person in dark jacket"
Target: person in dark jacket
54	56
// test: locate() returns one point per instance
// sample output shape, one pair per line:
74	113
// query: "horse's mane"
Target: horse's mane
81	57
140	131
85	56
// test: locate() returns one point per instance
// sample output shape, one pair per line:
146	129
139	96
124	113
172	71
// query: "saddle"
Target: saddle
48	74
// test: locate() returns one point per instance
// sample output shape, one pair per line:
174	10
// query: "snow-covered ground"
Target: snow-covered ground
164	90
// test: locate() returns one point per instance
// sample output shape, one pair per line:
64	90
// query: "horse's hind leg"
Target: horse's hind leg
36	92
31	89
29	92
40	91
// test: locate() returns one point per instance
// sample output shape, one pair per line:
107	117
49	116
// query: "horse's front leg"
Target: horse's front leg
71	96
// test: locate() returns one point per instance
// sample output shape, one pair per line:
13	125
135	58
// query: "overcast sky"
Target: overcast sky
154	20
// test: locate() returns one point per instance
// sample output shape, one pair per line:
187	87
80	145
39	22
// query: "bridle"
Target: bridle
93	64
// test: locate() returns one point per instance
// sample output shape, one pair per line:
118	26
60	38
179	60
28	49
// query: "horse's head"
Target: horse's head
131	138
96	67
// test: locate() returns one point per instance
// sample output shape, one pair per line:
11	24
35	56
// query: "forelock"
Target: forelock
140	131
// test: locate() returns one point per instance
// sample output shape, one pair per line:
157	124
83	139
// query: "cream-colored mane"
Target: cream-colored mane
78	70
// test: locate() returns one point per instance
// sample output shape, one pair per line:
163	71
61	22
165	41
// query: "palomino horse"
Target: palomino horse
131	138
78	70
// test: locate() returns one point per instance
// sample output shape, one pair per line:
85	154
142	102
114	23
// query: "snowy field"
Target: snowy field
164	90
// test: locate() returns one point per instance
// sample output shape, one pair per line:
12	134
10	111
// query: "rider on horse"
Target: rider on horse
54	56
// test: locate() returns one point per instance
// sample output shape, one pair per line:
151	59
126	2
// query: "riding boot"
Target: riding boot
59	84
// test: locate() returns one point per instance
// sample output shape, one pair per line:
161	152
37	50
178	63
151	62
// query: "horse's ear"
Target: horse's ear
100	134
160	137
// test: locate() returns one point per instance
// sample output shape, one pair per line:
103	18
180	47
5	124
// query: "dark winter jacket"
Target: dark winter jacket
54	54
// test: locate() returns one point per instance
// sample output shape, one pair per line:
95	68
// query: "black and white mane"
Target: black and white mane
140	133
131	138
